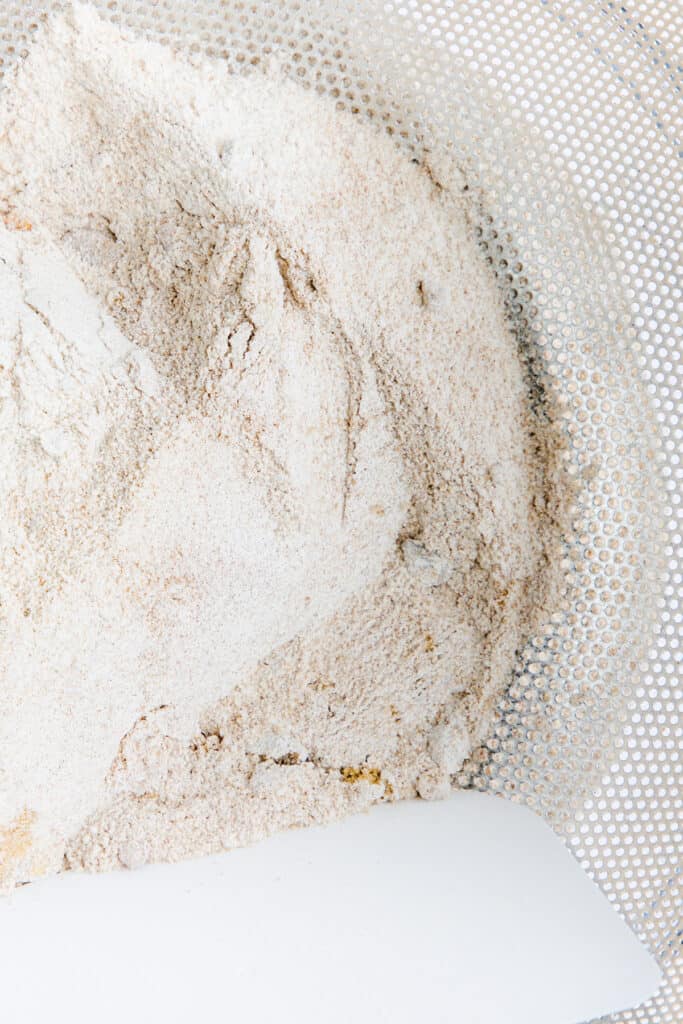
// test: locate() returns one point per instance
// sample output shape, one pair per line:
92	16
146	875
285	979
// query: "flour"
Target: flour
277	513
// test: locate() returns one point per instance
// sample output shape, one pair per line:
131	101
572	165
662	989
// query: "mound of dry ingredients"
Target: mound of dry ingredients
277	513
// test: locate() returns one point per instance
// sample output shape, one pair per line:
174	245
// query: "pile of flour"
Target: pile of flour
277	513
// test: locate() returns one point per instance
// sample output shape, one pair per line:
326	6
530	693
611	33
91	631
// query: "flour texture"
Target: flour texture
278	511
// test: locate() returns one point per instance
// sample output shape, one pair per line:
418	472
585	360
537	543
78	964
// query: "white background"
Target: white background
467	912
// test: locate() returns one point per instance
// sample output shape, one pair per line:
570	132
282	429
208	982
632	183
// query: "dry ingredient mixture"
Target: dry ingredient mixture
277	512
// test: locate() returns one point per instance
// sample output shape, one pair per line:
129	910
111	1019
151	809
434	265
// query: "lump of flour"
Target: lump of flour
277	513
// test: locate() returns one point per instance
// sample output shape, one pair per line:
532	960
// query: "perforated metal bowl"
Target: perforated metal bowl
566	117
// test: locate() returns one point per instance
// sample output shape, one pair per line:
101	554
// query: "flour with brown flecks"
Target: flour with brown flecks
277	511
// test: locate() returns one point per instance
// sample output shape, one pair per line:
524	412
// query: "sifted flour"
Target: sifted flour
277	509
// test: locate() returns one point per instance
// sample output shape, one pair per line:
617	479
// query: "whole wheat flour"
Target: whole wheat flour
278	510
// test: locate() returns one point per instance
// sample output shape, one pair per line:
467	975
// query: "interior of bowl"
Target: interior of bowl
455	77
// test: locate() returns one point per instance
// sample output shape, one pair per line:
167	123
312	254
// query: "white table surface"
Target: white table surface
468	912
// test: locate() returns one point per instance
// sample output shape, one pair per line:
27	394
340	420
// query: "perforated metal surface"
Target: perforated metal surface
567	117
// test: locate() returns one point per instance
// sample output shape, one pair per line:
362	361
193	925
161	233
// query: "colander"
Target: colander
566	119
